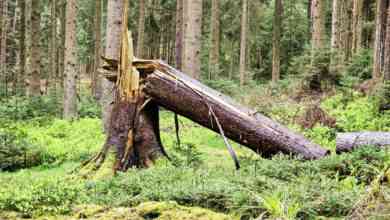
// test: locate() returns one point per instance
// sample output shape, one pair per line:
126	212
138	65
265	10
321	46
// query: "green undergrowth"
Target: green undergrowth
41	152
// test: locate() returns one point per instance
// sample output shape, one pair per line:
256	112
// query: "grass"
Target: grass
202	173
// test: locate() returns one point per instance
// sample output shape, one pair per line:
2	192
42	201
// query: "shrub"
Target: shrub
17	151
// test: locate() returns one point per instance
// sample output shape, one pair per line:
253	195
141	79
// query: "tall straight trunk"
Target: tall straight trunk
61	52
335	38
309	15
27	23
179	34
318	14
244	20
96	79
3	46
193	37
214	50
387	48
34	82
22	39
357	25
53	42
379	38
277	25
141	29
185	27
346	30
112	49
71	70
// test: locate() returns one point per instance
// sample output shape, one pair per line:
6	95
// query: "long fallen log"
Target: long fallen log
186	96
346	142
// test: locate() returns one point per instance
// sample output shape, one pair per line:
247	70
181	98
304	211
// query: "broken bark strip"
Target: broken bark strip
346	142
188	97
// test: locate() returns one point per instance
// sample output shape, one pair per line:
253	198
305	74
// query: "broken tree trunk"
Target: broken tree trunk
346	142
181	94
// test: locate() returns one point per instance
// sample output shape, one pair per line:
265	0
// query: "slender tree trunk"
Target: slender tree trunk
387	48
22	39
193	37
335	38
318	35
61	52
214	50
357	25
53	42
276	41
34	82
346	30
179	34
27	43
3	46
96	79
113	30
379	34
141	29
71	70
244	20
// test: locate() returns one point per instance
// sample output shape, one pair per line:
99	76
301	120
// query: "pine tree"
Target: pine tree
35	75
214	50
112	49
244	20
141	29
71	70
276	40
193	37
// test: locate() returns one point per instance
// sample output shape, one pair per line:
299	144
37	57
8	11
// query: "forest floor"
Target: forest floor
200	182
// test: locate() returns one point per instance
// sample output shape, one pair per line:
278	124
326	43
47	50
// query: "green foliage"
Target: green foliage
226	87
359	69
26	108
39	192
356	113
186	155
16	150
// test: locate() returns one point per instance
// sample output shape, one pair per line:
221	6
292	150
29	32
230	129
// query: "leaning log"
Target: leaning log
187	97
346	142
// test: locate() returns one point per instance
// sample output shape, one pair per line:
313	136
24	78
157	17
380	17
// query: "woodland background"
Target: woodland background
317	66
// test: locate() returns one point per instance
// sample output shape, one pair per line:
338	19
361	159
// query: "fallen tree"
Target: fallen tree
142	86
181	94
346	142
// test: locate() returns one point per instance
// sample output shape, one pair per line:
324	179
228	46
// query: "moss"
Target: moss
145	211
171	210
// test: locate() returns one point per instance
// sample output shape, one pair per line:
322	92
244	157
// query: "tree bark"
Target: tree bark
113	30
22	39
335	38
35	75
244	20
193	37
96	78
61	48
214	50
277	26
179	34
53	42
387	48
199	103
346	142
318	14
357	26
379	38
3	45
141	29
71	70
